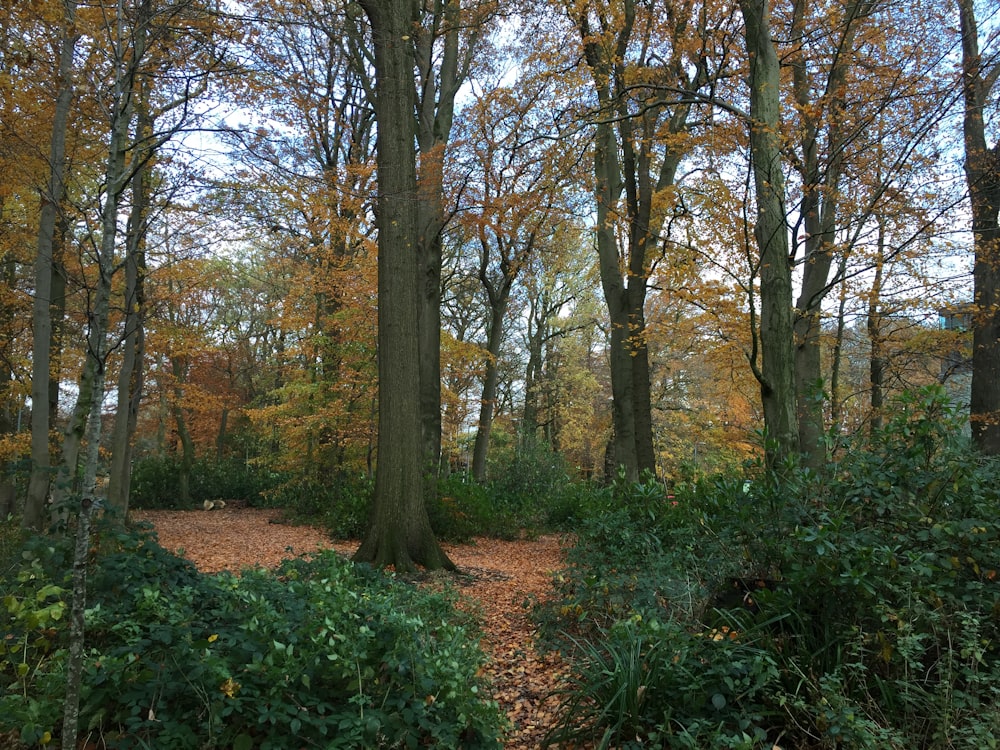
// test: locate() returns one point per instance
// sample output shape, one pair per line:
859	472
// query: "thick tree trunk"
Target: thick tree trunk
38	485
608	188
771	235
642	406
982	171
400	532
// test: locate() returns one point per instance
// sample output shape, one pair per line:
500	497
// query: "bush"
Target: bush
154	482
865	598
647	683
322	651
340	504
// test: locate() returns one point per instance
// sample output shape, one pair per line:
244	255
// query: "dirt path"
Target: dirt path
504	576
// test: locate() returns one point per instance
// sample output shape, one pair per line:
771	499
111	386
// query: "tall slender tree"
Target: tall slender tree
645	62
38	486
777	371
982	172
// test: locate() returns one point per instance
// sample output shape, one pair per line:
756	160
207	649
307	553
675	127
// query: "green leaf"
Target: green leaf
719	701
243	742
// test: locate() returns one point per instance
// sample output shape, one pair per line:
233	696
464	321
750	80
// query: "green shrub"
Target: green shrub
327	653
463	509
873	588
340	504
154	482
646	683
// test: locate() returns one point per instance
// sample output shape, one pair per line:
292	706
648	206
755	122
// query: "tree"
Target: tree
645	63
824	134
447	36
982	172
777	371
311	166
38	486
515	176
400	532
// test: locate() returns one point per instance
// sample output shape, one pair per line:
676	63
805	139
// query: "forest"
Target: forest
709	286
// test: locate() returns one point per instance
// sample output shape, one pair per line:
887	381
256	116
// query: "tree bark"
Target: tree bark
777	381
38	485
982	172
400	532
132	374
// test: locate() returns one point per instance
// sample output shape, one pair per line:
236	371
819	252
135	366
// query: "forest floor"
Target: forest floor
502	576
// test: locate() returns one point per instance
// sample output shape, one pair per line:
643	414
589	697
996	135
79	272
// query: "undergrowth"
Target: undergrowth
318	653
858	607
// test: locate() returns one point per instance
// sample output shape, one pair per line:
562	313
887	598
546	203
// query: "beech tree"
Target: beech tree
448	37
400	532
777	370
646	63
512	210
310	164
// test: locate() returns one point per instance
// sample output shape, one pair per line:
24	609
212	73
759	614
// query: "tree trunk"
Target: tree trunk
132	372
487	405
608	188
10	403
625	156
57	314
183	434
876	360
537	330
821	177
442	64
400	532
38	485
91	389
131	375
836	413
982	171
777	383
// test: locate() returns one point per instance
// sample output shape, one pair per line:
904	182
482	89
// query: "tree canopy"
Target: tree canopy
354	238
